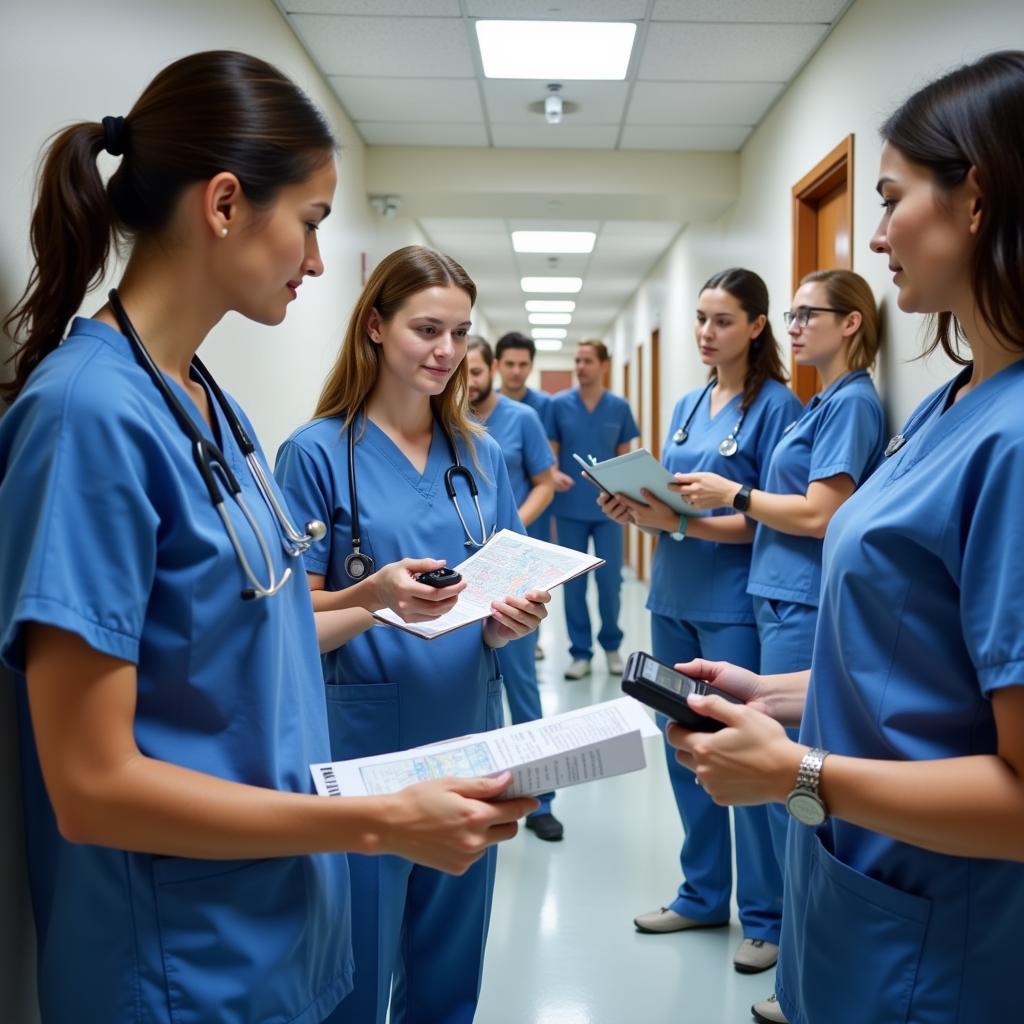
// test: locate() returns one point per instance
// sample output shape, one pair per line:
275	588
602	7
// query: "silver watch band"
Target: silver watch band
809	774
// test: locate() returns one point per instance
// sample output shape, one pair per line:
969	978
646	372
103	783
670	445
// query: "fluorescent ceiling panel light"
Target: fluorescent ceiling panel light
551	319
567	285
549	332
550	306
553	241
548	345
556	51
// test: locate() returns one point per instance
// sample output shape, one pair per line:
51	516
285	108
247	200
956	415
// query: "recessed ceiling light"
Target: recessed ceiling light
551	319
549	332
548	344
553	241
568	285
556	50
550	306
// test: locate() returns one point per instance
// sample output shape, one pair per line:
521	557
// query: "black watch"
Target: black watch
742	500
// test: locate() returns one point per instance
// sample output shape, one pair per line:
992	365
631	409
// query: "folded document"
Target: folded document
590	743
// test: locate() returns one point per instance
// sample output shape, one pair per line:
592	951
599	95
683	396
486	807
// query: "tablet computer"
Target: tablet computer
627	474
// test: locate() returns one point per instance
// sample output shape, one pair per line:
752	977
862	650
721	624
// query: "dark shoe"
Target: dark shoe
768	1011
546	826
755	955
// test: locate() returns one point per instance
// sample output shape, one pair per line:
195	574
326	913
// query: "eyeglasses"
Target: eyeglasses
801	316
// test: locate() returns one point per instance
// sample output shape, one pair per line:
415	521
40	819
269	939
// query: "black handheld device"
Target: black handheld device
663	688
443	577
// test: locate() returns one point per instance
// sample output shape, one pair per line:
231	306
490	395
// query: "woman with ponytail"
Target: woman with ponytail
699	603
165	653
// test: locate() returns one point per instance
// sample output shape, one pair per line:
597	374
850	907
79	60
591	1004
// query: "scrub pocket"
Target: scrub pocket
363	719
253	940
860	944
495	708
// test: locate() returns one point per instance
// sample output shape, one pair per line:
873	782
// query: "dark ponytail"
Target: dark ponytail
763	360
207	113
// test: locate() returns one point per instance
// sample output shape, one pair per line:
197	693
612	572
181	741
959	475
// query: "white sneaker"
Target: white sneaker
768	1011
615	664
578	669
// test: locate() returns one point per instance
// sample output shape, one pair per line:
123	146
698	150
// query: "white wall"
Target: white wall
878	54
65	60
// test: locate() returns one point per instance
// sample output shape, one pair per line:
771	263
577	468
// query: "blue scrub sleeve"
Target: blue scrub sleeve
506	509
629	429
987	541
537	453
777	417
79	544
846	440
307	489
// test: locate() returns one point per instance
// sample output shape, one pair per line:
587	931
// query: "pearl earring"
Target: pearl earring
223	232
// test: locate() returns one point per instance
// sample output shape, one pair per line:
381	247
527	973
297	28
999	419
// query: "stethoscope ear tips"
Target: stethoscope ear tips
316	530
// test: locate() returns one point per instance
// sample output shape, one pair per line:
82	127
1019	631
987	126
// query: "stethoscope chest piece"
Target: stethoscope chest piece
680	436
895	444
358	566
729	446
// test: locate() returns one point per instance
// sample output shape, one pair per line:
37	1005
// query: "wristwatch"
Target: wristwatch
804	803
742	500
680	532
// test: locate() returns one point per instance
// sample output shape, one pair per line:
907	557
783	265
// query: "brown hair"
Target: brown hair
210	112
397	276
764	362
483	346
958	122
852	294
599	347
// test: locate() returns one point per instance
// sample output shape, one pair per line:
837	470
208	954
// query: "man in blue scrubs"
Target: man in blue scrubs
528	457
589	420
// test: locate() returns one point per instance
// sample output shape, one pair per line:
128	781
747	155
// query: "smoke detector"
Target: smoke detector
386	206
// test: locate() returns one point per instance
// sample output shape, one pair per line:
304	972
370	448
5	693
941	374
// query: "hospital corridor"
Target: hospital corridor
508	511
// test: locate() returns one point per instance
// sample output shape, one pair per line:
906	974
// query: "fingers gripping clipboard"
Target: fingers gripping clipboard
628	474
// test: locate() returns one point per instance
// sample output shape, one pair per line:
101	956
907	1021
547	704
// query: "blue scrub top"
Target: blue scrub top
921	621
599	433
700	580
412	691
111	535
538	401
523	442
842	430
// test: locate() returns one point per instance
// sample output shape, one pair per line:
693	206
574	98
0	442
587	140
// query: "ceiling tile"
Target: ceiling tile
464	225
701	102
748	10
599	102
548	136
563	10
396	8
378	133
387	47
727	53
538	265
697	137
440	100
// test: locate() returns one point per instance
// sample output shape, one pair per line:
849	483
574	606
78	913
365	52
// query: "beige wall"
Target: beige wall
67	60
878	54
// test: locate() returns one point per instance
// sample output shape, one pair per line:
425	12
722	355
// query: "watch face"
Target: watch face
806	807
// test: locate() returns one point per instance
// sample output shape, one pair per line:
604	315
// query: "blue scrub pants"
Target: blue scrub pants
519	671
706	856
607	535
786	630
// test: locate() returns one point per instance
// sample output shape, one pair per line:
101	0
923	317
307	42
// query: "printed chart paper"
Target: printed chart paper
508	565
578	746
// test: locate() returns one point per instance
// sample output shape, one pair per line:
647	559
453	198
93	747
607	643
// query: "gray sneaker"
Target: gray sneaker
578	669
662	920
768	1011
755	955
615	665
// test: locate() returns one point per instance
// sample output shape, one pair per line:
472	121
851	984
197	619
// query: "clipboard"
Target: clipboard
627	474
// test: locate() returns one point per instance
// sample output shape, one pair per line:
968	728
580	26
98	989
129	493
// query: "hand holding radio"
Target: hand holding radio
399	586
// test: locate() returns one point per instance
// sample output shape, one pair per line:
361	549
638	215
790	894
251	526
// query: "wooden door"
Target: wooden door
629	555
641	538
553	381
822	233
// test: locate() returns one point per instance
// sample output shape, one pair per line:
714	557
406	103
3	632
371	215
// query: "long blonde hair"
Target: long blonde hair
355	372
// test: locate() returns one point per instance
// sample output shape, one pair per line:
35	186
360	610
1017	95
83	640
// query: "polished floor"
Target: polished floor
562	946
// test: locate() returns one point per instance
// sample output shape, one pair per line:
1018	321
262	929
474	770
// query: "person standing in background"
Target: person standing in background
528	458
590	421
699	602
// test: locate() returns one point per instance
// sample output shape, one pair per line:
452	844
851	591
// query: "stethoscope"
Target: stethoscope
729	445
359	565
209	457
